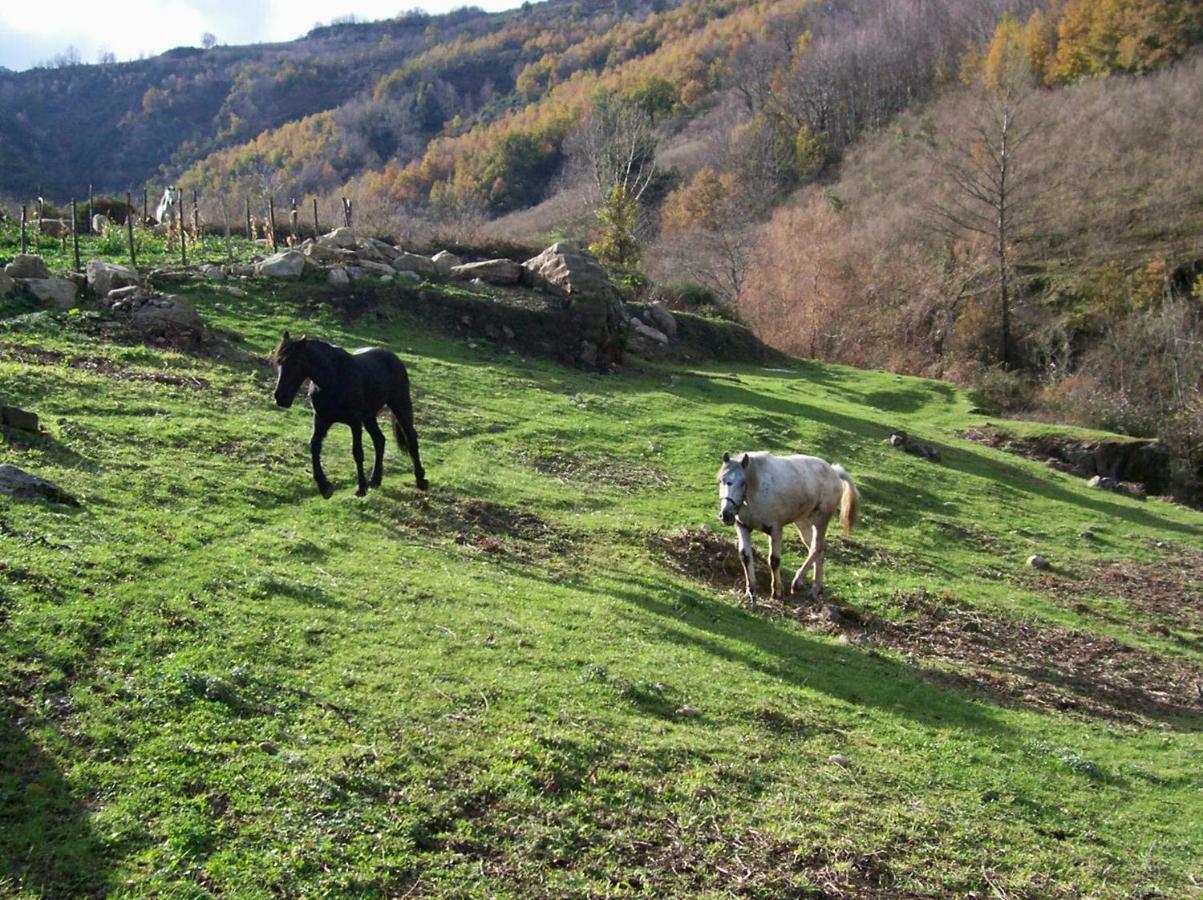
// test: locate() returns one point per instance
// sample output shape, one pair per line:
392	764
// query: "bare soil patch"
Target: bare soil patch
571	467
493	528
1169	591
1037	665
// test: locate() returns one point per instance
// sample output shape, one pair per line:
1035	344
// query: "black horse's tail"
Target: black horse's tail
399	433
403	429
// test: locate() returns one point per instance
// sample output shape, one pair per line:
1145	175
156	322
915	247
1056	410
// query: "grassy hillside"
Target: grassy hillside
535	679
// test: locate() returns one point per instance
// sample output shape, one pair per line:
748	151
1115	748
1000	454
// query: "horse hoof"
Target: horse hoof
326	491
423	484
361	492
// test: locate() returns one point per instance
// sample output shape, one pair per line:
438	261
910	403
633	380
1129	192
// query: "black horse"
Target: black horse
350	388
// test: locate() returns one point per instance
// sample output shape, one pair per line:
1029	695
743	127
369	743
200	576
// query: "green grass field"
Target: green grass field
536	680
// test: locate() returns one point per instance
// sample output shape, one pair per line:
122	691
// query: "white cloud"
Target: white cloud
30	34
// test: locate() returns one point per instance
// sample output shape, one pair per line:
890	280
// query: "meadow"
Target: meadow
538	678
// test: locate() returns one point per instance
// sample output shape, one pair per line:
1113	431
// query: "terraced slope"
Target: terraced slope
535	680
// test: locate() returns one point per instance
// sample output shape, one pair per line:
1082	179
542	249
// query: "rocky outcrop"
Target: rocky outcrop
491	271
341	237
595	307
26	265
103	277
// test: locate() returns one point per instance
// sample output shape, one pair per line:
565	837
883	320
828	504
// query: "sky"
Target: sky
31	33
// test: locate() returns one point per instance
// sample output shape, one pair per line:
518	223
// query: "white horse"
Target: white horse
763	492
167	206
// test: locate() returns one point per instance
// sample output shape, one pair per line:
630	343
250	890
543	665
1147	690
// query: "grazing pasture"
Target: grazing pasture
539	678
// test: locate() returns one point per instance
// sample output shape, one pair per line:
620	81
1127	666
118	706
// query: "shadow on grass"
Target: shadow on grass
47	847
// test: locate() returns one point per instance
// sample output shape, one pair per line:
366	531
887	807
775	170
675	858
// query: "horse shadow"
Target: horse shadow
47	847
688	618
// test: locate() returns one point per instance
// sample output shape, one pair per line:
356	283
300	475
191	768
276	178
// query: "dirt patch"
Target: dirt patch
1169	591
710	557
571	467
98	365
1039	665
495	529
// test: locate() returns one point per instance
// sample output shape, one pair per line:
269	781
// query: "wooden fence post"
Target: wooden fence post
90	211
250	235
195	219
292	221
129	229
316	230
75	234
225	217
183	235
271	223
346	212
24	237
145	207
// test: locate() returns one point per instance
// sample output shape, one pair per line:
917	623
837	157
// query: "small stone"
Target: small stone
1036	561
838	759
688	712
1088	535
267	746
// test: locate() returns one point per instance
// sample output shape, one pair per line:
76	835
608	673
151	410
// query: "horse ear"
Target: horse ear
726	457
286	337
744	460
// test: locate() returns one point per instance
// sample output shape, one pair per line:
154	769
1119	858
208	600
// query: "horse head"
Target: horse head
732	487
292	368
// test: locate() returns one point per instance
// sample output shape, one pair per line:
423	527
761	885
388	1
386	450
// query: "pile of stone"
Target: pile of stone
123	292
342	257
28	271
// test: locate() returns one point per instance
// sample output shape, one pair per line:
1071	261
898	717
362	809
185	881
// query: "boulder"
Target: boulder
376	249
100	223
409	278
324	250
212	272
15	417
164	314
7	285
444	262
593	304
490	271
103	277
55	293
337	276
412	262
342	237
126	293
372	267
26	265
662	318
21	485
642	329
567	271
1036	561
55	227
285	264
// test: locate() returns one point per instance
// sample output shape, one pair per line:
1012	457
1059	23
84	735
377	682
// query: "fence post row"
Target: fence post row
129	227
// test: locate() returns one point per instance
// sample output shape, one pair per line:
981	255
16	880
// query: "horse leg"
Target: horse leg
804	532
320	427
821	543
377	435
778	589
357	452
403	427
812	542
746	560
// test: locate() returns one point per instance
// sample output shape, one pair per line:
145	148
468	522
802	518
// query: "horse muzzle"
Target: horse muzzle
283	400
727	515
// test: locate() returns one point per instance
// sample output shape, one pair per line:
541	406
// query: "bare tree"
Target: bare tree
208	40
618	143
989	183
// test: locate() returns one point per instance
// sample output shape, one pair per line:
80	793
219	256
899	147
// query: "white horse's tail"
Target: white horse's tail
849	500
